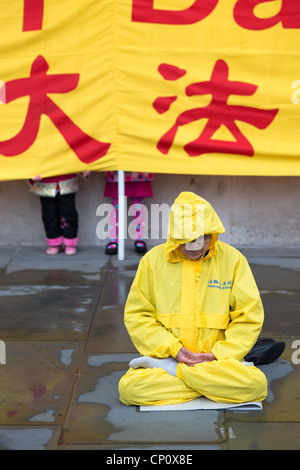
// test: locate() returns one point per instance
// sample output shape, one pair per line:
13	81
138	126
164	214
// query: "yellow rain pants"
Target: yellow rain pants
227	380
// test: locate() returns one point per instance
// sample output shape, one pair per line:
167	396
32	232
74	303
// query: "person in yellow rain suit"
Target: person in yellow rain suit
193	312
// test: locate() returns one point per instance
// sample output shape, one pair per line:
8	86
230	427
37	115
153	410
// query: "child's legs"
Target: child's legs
51	220
113	221
68	216
153	387
227	380
140	214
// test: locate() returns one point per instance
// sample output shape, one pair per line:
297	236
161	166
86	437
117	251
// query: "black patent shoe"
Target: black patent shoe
111	248
265	351
140	246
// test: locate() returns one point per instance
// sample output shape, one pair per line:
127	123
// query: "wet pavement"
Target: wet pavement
66	348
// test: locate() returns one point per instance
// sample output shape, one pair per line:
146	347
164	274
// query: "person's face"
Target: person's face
196	248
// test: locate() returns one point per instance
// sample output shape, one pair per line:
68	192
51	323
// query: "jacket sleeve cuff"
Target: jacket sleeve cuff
216	354
176	348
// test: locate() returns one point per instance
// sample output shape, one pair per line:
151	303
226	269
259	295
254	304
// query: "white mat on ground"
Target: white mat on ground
203	403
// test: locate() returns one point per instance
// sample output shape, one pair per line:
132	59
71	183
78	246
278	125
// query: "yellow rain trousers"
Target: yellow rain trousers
207	305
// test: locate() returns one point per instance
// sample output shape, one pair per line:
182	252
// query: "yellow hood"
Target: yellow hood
190	217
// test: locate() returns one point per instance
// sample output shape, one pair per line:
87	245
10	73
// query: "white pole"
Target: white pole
122	215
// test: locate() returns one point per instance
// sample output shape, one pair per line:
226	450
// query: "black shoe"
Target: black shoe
140	246
265	351
111	248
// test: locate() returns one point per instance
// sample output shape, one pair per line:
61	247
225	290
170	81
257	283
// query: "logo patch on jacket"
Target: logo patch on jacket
219	284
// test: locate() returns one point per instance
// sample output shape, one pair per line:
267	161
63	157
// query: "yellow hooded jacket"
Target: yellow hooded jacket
207	305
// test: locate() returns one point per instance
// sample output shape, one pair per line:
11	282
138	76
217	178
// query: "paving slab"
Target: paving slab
282	313
38	273
6	253
34	265
37	381
45	312
276	274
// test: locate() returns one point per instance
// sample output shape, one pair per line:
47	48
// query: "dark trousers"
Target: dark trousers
59	216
